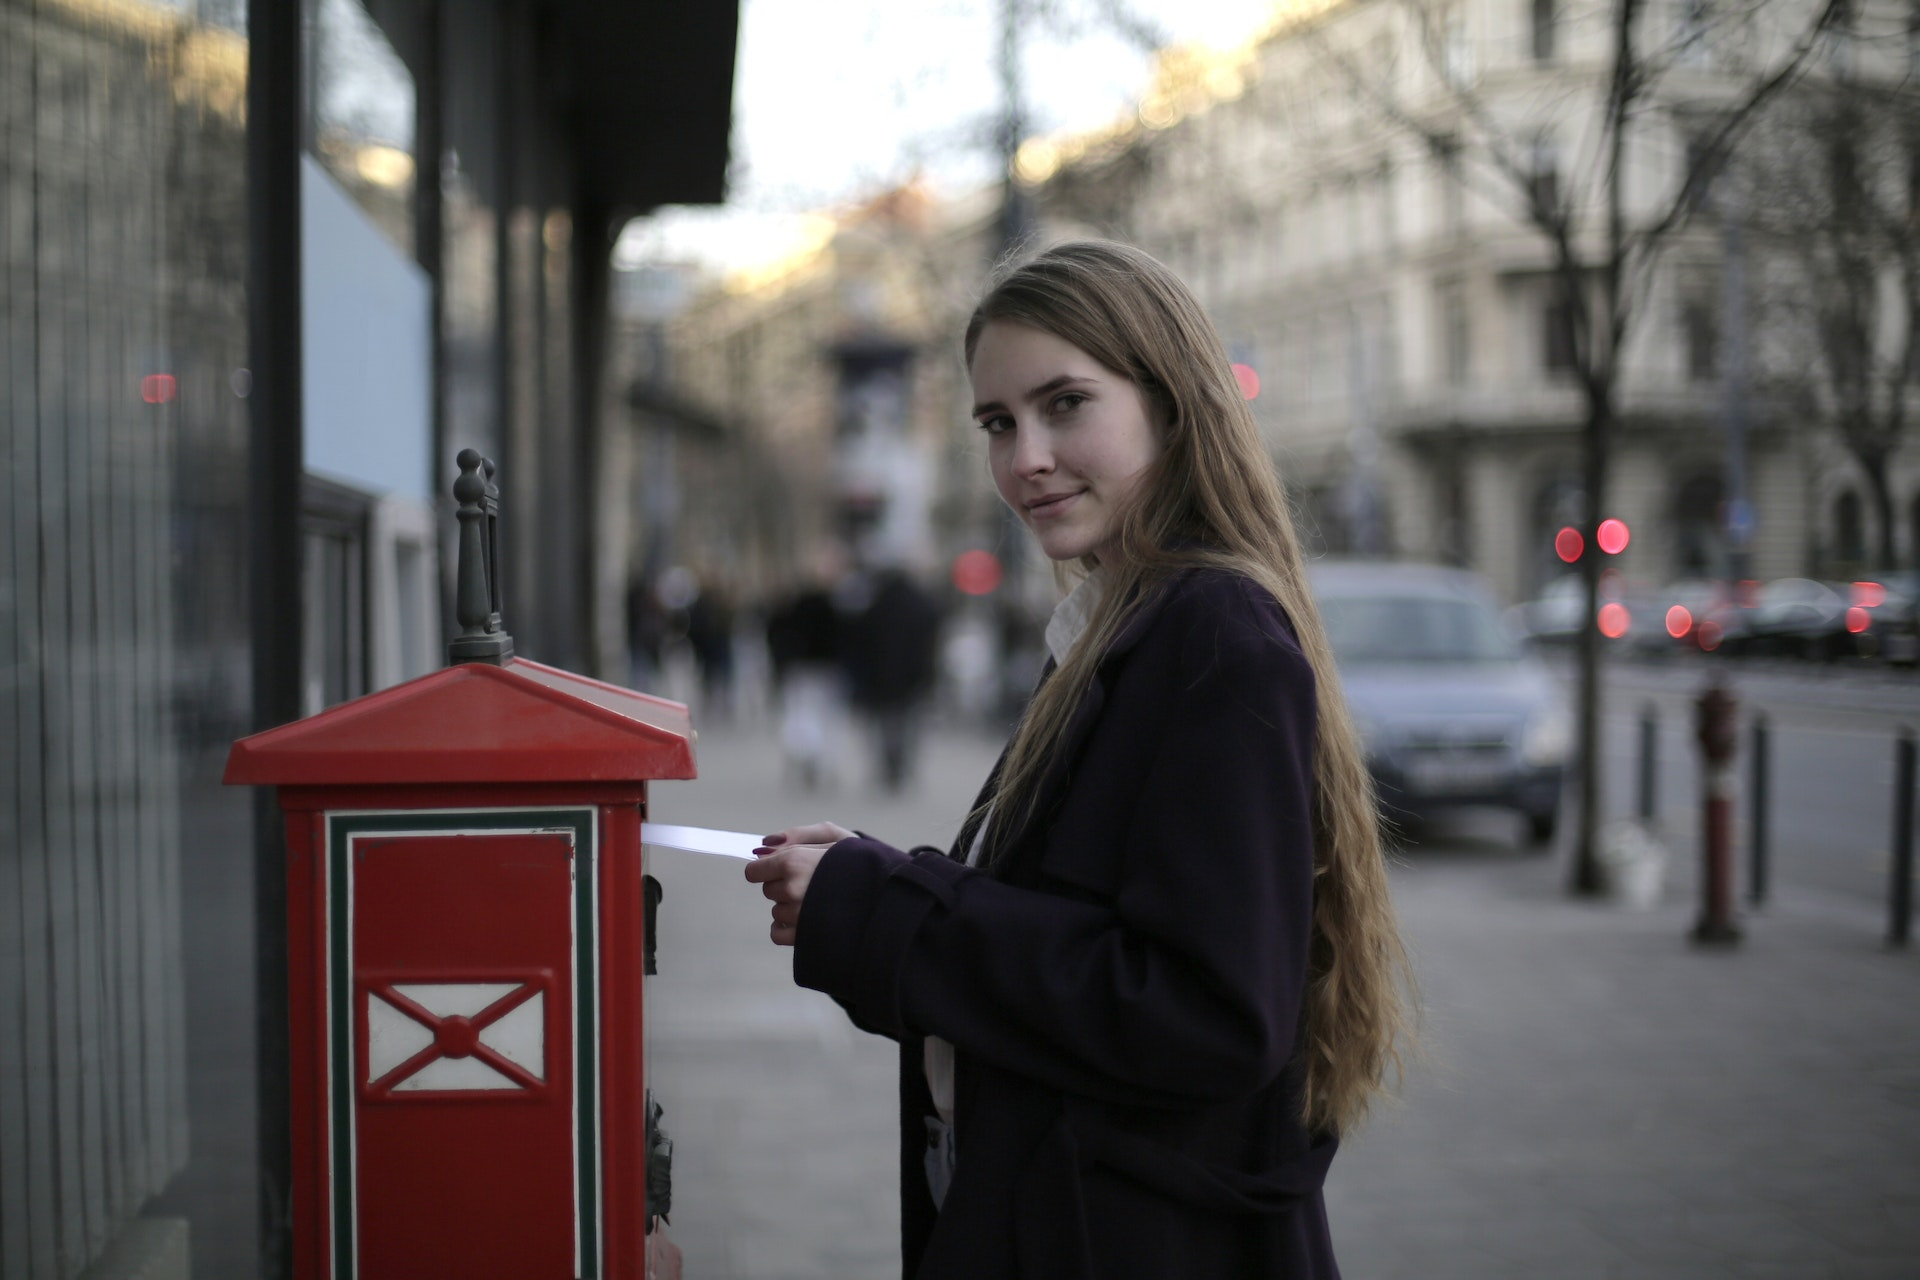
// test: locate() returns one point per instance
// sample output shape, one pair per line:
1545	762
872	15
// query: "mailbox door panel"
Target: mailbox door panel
464	1047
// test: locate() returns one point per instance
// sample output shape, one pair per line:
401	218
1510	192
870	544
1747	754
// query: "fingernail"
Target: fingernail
774	840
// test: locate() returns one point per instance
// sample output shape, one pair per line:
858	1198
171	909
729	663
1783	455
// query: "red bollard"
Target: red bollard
1714	726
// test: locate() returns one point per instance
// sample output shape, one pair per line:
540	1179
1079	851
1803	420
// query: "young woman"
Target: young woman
1158	974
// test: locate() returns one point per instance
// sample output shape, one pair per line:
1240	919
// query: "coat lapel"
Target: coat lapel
1086	714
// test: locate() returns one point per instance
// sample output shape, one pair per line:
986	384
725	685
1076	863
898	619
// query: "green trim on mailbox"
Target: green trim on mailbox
342	828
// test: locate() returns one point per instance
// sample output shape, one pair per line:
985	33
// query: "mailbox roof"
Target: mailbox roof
521	722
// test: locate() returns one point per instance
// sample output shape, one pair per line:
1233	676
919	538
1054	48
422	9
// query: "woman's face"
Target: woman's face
1068	438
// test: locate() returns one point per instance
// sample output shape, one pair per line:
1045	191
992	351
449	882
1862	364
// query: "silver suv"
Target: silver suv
1452	710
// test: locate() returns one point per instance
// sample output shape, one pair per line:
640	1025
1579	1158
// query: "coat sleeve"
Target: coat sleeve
1187	988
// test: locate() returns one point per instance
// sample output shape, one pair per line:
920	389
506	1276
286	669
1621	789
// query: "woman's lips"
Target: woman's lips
1052	505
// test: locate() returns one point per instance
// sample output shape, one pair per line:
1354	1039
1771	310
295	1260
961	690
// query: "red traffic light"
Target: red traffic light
1612	536
1567	544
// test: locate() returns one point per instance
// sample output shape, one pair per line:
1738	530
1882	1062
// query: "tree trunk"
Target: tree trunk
1599	370
1586	879
1875	469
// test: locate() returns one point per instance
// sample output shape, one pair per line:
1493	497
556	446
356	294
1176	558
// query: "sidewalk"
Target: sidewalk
1601	1099
1598	1099
783	1115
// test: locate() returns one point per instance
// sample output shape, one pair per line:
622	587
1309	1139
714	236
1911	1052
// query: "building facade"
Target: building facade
837	375
1332	192
264	268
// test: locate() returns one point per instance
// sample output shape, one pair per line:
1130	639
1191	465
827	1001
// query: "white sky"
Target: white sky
838	99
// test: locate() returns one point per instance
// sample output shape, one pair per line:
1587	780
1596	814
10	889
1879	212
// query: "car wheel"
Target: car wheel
1541	826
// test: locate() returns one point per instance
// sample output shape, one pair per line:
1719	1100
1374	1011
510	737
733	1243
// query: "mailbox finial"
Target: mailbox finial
477	594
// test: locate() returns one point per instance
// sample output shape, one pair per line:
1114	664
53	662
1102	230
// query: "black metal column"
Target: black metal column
1649	797
1758	809
1900	890
592	248
273	520
430	96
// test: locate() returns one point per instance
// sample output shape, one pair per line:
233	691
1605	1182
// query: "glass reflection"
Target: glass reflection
126	1072
360	114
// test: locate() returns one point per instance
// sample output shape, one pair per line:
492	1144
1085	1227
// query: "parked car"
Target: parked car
1794	618
1883	618
1706	614
1554	617
1452	710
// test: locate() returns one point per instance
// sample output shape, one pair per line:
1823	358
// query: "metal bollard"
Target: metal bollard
1717	735
1649	764
1901	896
1757	835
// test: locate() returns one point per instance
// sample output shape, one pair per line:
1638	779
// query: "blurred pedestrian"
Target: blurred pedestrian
803	644
890	656
710	635
646	633
1158	975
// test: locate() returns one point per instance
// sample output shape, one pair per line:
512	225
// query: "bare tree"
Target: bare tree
1836	214
1602	253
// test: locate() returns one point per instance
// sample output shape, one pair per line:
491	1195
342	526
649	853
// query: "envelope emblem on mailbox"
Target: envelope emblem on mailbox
437	1037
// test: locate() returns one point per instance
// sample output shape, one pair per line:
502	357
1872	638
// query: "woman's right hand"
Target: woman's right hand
783	869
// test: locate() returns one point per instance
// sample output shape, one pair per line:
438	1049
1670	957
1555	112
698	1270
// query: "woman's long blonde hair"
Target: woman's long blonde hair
1212	499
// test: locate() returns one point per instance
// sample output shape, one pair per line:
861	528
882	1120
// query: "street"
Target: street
1832	734
1594	1097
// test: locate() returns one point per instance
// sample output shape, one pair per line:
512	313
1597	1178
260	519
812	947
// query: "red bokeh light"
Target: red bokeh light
1612	536
1567	544
1249	379
1679	621
1870	595
977	573
1858	619
1708	635
1614	620
158	388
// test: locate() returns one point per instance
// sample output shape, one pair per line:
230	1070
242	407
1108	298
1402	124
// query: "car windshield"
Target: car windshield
1413	629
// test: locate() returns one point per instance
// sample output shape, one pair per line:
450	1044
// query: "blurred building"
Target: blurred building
267	267
835	382
1415	367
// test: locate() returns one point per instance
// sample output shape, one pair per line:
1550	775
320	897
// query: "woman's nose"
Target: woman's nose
1032	452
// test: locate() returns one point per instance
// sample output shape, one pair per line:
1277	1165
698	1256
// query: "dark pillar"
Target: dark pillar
274	78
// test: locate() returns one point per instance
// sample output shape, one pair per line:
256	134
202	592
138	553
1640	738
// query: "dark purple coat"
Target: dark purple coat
1124	988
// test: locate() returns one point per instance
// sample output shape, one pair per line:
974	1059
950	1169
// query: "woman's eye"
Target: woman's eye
995	426
1069	402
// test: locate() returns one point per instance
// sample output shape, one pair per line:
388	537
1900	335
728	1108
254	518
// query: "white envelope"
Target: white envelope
727	844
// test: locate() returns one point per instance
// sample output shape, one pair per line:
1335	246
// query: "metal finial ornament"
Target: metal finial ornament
477	591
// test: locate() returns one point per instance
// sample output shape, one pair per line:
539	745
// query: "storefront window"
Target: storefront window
127	1069
360	114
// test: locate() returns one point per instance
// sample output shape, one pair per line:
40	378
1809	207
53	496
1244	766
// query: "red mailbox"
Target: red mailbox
465	938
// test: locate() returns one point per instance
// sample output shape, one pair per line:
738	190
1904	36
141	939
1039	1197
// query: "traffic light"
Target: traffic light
1611	537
